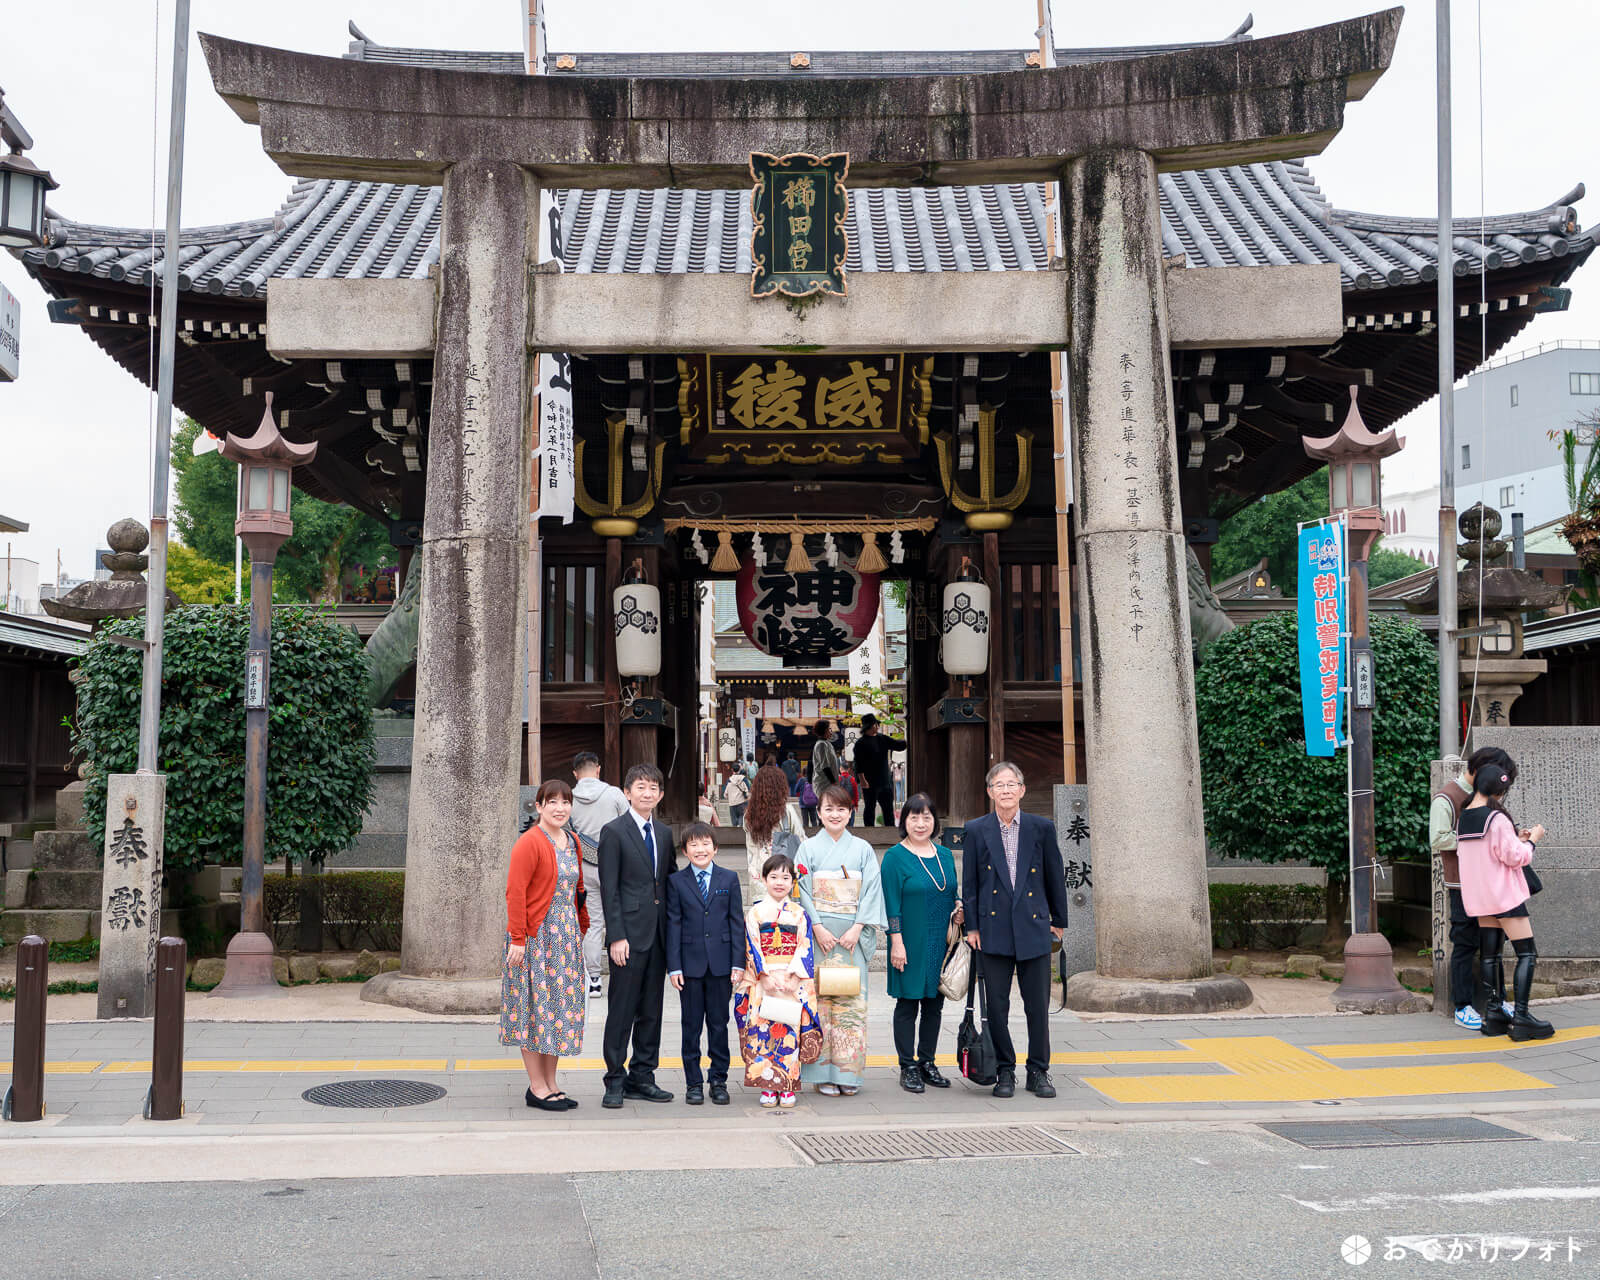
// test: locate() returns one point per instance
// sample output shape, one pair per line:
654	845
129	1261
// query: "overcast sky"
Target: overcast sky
74	431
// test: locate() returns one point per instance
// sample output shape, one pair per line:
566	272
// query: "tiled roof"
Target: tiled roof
1242	216
41	635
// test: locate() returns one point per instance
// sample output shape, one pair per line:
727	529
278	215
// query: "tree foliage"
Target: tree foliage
1269	527
319	772
196	579
1385	566
1265	799
328	536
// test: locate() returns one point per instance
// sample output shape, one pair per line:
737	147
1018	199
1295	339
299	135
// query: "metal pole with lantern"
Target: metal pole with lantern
1354	455
267	461
22	186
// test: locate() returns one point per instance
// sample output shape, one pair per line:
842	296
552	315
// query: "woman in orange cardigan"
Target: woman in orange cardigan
542	991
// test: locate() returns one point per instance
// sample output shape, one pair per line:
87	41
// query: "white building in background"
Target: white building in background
19	590
1504	456
1411	523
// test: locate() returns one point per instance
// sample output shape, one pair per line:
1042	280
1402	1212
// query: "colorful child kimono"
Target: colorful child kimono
777	940
840	887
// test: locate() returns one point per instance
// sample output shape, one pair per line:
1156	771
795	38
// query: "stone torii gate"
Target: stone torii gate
1100	130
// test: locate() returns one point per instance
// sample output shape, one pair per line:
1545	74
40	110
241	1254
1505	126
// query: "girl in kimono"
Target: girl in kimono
842	893
780	962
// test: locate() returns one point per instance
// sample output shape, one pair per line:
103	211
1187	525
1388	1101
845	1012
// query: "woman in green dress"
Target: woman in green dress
919	893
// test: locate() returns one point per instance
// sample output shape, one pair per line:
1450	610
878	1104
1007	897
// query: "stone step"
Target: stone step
63	891
52	926
65	851
69	807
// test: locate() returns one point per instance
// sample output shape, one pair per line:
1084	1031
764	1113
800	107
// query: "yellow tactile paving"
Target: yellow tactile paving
1460	1044
71	1068
1265	1069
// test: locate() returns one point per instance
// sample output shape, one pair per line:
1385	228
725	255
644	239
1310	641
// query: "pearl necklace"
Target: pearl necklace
922	861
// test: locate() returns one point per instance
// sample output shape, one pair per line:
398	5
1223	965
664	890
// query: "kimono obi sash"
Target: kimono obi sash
836	893
780	941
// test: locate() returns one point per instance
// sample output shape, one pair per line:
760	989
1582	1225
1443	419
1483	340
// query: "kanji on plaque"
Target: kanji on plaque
798	240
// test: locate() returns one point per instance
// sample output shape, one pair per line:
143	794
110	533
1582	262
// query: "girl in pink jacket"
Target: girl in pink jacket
1492	853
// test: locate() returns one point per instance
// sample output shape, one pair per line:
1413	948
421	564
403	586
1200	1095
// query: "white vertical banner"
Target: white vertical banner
868	668
556	450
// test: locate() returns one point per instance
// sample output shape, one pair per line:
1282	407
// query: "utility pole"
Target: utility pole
1445	328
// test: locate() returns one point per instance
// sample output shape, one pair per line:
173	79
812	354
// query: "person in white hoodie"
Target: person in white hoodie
594	803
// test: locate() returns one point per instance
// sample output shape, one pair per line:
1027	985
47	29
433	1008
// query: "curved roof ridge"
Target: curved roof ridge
1557	218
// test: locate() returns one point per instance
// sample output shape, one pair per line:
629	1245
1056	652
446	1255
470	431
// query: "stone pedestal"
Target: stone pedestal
465	759
1152	914
1499	684
130	904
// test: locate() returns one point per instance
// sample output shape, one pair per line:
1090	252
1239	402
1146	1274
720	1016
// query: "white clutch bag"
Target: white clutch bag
780	1009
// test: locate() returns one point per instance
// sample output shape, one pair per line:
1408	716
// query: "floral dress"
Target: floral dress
777	940
543	1000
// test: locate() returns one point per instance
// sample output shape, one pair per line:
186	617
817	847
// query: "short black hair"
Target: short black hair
922	802
775	862
644	773
696	831
1495	756
585	760
869	721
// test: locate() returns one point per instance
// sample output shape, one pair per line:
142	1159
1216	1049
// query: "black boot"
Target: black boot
1492	982
1524	1026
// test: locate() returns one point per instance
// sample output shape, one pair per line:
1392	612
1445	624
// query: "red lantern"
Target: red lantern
807	618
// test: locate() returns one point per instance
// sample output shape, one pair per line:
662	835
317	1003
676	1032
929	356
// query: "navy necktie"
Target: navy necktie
650	843
705	887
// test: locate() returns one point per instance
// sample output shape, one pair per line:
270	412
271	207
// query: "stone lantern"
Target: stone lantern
120	596
268	462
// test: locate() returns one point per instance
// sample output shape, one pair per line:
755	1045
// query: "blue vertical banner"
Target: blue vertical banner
1323	624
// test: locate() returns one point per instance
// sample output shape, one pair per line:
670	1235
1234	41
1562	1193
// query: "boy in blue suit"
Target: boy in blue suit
705	957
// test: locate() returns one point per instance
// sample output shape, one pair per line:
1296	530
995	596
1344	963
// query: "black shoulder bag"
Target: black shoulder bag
975	1053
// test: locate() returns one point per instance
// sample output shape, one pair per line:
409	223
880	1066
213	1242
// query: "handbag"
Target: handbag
955	971
1535	885
784	1009
975	1053
838	980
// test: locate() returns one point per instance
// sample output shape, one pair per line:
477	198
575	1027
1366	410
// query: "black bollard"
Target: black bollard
25	1098
165	1100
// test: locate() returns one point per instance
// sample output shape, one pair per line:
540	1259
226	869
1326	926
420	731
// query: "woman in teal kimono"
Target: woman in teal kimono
842	893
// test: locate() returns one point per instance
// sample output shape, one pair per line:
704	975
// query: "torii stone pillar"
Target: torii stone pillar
465	761
1152	913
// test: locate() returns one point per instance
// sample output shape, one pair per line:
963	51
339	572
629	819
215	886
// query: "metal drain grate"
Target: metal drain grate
373	1093
874	1146
1326	1135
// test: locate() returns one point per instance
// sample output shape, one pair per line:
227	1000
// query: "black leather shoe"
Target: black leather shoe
911	1080
1006	1085
613	1098
694	1095
931	1076
1039	1084
645	1091
719	1094
547	1103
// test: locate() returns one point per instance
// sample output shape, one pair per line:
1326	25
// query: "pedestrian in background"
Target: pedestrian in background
1465	939
919	898
594	803
772	824
736	791
541	985
824	757
1493	853
841	890
874	772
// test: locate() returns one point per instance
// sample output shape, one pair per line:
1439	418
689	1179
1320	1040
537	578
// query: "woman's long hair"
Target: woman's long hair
1492	781
769	793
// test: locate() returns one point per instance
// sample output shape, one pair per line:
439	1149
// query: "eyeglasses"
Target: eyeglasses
1005	786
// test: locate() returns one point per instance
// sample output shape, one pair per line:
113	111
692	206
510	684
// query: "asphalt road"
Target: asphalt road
1167	1201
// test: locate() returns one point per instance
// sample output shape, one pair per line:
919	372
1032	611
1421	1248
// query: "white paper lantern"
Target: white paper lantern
965	648
727	745
636	611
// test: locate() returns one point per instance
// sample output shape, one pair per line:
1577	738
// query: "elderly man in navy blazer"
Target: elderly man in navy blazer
1014	894
705	956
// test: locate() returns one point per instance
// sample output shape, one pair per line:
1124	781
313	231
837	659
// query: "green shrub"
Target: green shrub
1263	916
1265	798
359	908
83	951
319	774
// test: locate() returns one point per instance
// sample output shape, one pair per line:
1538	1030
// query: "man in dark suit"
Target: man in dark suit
1014	895
705	956
636	857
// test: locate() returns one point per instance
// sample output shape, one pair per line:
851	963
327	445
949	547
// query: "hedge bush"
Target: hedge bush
1267	917
1265	798
319	771
359	908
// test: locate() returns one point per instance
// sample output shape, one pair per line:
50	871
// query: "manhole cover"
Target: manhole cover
872	1146
373	1093
1326	1135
